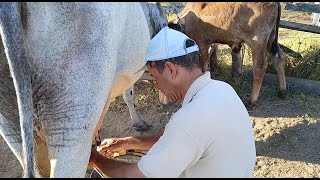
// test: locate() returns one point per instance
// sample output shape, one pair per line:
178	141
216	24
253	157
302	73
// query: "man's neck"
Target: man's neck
188	78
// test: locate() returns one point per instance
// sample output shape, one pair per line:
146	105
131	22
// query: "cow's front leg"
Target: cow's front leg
260	65
237	61
213	59
137	123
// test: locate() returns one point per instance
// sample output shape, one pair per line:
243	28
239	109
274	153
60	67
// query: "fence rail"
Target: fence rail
299	26
311	8
303	7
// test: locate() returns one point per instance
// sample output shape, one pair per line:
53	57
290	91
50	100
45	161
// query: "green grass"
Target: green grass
306	67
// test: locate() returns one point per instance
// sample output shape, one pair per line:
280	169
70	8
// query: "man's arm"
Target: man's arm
113	168
125	143
142	142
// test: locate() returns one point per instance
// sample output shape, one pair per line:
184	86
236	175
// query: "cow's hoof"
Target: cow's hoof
250	106
282	94
141	126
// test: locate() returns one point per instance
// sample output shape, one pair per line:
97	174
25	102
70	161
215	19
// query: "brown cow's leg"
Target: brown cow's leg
279	64
237	62
259	68
213	59
204	57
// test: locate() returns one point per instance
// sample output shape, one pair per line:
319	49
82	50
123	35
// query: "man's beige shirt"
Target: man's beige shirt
211	135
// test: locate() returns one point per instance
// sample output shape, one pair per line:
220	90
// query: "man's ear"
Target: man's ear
172	69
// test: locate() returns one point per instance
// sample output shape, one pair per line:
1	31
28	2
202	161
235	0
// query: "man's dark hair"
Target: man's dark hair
188	61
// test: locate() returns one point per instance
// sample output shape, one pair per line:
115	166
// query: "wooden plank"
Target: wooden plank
299	27
293	83
311	8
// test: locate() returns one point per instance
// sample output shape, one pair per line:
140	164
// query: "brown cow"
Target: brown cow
235	23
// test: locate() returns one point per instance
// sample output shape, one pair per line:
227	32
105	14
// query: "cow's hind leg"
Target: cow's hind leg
69	126
11	133
137	123
278	62
9	115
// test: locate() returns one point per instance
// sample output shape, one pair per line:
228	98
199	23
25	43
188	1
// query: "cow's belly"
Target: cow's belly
122	83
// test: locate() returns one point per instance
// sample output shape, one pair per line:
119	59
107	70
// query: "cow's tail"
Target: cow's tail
275	46
12	37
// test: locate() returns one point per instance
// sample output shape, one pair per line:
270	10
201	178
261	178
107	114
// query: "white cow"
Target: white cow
62	64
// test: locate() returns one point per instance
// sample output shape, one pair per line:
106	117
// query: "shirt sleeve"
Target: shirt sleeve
174	152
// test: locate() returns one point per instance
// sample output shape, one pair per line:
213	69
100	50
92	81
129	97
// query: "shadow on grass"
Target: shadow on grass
298	143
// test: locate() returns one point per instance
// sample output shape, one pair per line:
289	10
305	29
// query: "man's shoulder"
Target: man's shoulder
218	84
209	100
214	89
190	113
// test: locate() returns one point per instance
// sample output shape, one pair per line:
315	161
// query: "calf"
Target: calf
235	23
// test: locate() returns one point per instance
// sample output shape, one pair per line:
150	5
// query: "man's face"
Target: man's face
165	82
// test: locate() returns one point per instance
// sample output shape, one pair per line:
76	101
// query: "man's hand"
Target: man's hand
111	145
121	145
113	168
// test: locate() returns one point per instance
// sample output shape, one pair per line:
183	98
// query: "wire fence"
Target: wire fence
301	44
302	60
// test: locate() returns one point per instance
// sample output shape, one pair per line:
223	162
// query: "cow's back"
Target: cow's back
227	22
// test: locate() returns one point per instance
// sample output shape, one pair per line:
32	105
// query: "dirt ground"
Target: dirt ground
287	132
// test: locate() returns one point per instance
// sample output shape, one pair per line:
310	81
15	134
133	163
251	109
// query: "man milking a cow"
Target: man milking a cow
211	135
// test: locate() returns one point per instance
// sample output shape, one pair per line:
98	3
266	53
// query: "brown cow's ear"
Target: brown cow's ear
176	26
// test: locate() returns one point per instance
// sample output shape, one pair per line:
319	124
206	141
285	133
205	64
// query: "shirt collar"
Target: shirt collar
199	83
